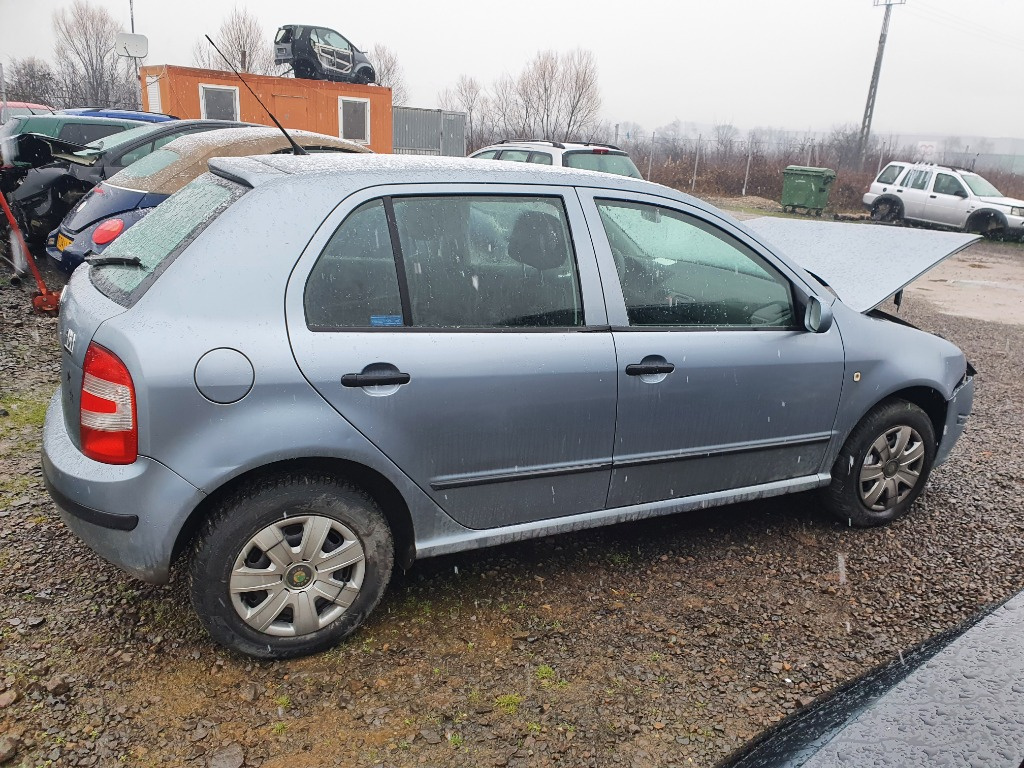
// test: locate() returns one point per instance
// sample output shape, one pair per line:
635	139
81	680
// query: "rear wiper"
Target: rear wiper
120	261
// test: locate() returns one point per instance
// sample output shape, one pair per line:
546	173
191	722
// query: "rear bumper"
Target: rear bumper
130	515
957	413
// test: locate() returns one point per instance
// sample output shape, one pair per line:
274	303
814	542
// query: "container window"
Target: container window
354	120
218	102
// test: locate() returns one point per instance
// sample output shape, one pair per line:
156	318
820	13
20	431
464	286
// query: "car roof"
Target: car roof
347	173
550	145
195	150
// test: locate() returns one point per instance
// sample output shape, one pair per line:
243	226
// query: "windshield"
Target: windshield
107	143
606	162
979	186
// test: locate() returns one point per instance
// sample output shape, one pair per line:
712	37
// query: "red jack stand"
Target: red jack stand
44	301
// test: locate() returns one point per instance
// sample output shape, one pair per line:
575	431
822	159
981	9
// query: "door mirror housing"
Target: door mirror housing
817	316
961	193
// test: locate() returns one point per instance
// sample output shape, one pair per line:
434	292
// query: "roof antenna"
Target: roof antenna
296	149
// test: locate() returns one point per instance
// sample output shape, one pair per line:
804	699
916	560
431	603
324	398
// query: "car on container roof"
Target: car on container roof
606	158
66	171
320	53
299	371
115	204
946	197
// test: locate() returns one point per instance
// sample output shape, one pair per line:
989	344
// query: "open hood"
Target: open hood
863	264
34	150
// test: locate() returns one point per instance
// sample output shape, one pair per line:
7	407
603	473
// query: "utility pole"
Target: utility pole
869	108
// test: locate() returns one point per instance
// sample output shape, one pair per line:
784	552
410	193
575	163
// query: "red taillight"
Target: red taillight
600	151
109	428
107	231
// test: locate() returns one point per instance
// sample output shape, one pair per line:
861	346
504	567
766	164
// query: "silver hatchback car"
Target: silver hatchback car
300	371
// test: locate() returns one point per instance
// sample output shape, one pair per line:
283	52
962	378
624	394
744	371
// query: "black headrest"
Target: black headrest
538	240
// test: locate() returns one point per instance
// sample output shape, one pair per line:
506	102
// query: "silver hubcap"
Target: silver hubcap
892	468
297	575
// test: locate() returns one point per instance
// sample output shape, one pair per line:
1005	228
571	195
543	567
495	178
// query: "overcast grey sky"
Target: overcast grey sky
951	66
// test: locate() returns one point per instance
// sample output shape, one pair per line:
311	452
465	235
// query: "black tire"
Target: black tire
888	211
268	505
846	496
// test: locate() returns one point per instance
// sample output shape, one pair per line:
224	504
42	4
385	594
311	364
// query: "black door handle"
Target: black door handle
932	196
374	379
648	369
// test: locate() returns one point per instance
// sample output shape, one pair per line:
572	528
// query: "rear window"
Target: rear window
147	166
890	174
161	236
617	163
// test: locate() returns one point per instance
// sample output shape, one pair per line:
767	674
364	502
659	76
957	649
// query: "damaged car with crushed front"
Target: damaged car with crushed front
419	356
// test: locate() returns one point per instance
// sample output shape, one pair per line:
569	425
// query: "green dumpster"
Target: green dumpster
806	188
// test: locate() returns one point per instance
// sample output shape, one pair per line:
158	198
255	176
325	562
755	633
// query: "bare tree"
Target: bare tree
467	96
30	79
725	138
243	40
389	73
580	93
89	71
554	97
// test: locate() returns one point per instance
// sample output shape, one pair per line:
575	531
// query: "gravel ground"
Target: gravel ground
661	643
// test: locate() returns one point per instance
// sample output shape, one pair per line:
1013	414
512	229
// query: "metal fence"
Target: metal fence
428	132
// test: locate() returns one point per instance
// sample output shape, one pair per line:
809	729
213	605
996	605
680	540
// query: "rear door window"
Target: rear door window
540	158
515	155
919	179
161	236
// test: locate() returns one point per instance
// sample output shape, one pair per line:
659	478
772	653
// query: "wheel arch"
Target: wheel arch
976	219
887	198
928	399
382	490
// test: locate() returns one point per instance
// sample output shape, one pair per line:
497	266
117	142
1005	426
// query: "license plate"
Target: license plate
63	241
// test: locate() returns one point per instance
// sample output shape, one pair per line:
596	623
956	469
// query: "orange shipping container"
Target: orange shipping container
360	113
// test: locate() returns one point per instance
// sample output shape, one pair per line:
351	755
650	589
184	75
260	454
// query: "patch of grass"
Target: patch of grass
456	740
509	703
544	672
284	701
533	727
22	412
279	729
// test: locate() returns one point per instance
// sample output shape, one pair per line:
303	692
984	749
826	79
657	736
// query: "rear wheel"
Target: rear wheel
883	466
889	211
290	565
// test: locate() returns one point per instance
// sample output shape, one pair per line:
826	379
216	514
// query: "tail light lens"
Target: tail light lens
107	231
108	424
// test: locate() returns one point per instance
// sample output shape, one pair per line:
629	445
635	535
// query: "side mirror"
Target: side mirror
961	193
817	317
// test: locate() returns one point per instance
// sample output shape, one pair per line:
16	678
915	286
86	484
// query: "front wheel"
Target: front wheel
290	565
883	466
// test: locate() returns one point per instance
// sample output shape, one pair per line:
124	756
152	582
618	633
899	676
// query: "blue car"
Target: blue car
123	114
